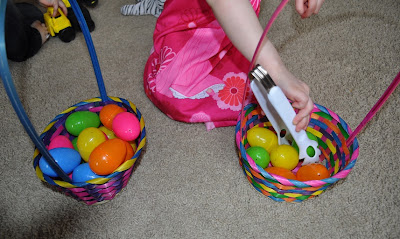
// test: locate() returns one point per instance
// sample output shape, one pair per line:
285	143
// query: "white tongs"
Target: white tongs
280	113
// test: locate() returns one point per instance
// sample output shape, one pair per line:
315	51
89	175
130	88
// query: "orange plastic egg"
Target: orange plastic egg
129	151
313	171
107	114
283	172
108	156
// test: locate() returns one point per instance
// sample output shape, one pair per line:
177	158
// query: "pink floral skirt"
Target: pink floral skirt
194	73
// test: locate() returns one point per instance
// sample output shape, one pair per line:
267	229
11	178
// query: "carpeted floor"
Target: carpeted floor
189	183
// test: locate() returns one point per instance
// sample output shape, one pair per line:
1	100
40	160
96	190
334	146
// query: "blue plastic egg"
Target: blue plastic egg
83	173
68	159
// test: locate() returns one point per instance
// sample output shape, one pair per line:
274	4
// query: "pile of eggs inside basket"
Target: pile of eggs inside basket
282	160
96	143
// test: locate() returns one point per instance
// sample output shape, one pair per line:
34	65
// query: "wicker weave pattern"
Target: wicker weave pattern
331	132
99	189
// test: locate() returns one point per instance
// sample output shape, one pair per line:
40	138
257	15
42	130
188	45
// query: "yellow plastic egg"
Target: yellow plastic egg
263	137
88	140
109	133
284	156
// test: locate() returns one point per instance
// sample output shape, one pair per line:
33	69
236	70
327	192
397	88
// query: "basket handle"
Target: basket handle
15	101
85	30
13	95
374	109
367	118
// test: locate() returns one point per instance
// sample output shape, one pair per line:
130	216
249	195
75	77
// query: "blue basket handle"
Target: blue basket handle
92	52
16	103
13	95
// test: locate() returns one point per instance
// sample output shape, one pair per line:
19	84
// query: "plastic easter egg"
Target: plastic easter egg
66	158
88	140
134	145
259	155
283	172
83	173
80	120
129	151
284	156
60	141
74	143
313	171
310	150
126	126
258	136
108	156
107	114
109	133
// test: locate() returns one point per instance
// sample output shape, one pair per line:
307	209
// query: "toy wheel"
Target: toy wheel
67	34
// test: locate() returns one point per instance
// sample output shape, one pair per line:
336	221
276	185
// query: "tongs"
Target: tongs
280	114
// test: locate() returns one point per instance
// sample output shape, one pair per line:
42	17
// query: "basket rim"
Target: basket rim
127	165
295	183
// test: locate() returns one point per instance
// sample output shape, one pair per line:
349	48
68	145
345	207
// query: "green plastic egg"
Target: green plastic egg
80	120
259	155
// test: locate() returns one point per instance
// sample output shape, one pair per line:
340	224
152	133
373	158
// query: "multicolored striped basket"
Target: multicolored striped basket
338	157
99	189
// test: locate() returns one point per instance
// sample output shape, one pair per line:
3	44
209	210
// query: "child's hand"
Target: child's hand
245	30
308	7
298	92
55	4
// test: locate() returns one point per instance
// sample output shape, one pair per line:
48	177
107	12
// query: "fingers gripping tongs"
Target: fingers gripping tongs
280	113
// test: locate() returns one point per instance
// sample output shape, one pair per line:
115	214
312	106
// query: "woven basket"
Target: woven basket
99	189
338	157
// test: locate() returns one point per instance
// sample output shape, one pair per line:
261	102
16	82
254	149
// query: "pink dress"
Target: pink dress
194	73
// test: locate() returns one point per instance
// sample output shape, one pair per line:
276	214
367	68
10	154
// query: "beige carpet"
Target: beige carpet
189	183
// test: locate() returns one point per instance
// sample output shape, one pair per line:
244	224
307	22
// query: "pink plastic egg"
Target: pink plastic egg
60	141
126	126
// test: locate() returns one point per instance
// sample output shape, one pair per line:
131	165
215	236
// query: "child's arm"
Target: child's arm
241	25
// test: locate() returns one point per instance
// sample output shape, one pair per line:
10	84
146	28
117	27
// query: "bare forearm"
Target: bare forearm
243	28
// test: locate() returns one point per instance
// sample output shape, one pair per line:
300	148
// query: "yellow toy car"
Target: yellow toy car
60	24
